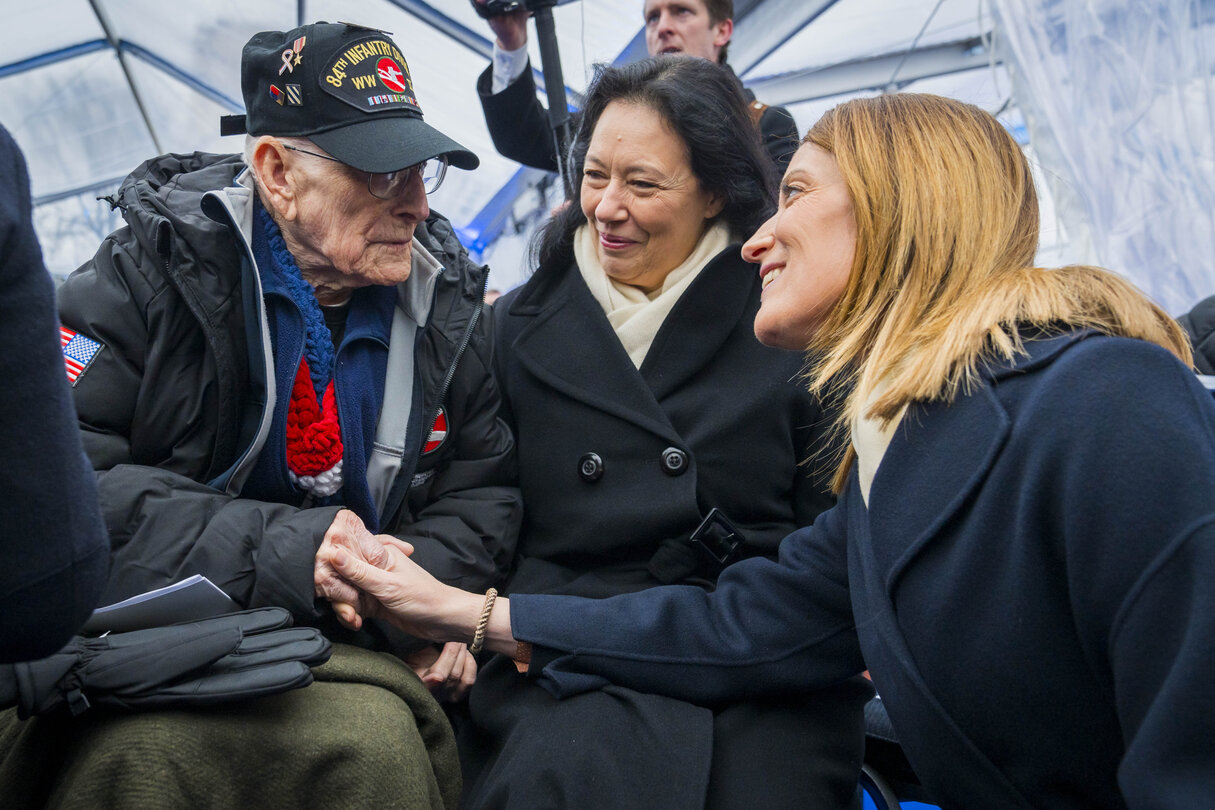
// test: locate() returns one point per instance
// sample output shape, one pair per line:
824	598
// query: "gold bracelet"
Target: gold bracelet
479	636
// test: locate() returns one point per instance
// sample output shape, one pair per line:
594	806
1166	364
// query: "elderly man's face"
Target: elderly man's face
343	237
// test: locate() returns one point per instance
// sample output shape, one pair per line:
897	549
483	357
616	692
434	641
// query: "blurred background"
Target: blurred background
1112	101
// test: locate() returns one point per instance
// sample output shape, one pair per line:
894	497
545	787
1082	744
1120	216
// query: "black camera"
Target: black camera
496	8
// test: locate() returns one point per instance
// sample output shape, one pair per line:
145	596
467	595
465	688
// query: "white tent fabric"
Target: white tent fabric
91	88
1121	97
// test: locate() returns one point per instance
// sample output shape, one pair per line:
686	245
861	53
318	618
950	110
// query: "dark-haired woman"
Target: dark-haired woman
642	401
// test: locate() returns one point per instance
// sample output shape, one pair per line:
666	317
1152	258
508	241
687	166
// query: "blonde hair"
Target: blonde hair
947	229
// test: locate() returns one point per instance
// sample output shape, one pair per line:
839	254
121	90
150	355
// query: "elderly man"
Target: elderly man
519	125
288	350
289	347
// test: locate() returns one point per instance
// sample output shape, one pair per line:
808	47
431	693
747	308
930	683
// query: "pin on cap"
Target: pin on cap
347	88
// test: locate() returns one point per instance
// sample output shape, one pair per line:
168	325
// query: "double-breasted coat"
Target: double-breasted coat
618	466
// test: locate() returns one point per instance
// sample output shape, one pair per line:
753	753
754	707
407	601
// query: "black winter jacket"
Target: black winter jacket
1199	325
174	399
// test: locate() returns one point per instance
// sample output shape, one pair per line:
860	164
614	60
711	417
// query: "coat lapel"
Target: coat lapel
571	347
938	459
700	322
924	478
928	473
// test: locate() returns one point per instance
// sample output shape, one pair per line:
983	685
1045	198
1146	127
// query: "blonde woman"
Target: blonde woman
1023	553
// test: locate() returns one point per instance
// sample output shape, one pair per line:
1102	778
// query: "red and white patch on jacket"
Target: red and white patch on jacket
438	433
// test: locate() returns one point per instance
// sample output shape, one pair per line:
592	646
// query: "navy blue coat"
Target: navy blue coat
1032	588
54	552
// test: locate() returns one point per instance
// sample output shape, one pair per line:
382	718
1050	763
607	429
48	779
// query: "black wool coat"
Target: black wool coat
618	466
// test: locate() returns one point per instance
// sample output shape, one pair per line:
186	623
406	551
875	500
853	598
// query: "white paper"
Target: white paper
191	599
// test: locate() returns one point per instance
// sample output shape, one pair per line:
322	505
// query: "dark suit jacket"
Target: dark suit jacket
1032	588
518	124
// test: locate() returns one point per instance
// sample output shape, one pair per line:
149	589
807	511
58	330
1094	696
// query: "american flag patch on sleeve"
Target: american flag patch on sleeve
78	352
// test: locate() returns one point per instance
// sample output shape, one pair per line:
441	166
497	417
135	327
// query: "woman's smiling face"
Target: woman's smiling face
804	250
640	197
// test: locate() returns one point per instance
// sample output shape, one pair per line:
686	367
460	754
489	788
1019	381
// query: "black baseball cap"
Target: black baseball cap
347	89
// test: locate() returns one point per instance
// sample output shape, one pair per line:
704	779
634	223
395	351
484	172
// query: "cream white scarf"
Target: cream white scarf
870	441
635	315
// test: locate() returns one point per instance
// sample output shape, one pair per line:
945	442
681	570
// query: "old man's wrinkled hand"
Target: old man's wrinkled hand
349	533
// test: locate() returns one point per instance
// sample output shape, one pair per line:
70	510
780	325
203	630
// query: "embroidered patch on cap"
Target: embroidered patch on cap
438	433
78	352
370	75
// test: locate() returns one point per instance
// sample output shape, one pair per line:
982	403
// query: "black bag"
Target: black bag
226	658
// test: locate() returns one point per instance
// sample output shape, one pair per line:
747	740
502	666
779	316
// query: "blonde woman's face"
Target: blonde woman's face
804	251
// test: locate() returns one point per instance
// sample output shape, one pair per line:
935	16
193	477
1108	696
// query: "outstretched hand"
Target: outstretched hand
391	587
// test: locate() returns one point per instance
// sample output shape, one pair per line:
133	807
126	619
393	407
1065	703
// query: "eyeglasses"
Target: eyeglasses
386	185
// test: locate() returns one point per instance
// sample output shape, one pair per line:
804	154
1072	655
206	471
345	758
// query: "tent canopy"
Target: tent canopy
91	88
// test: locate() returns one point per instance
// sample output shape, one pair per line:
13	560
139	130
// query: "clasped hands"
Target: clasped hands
347	549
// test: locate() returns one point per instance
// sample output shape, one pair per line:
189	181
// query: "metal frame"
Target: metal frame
761	27
887	72
879	790
768	24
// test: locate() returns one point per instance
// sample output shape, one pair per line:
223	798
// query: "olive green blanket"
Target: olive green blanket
365	734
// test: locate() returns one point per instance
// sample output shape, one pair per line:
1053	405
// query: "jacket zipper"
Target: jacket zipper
451	370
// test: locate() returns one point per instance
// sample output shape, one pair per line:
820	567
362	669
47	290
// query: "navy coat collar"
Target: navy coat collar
970	437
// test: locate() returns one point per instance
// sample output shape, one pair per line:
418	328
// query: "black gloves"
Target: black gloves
232	657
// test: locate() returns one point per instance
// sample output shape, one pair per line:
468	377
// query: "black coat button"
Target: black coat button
674	461
590	467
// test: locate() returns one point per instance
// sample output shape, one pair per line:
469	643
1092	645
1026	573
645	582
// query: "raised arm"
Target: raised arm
517	121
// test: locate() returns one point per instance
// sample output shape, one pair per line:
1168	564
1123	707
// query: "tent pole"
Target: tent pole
116	44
